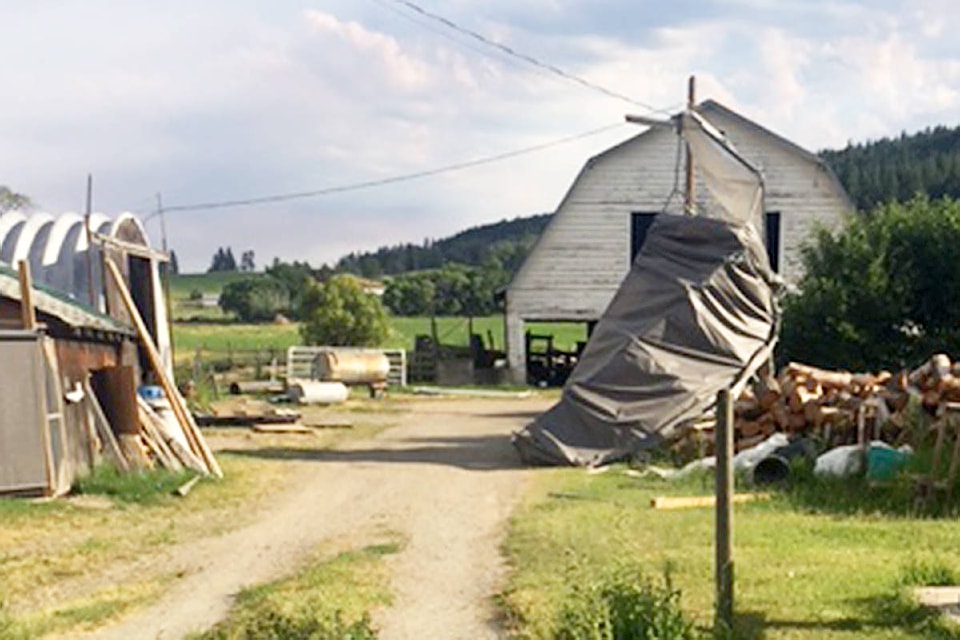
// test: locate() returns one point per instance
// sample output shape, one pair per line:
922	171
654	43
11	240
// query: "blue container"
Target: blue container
150	392
883	463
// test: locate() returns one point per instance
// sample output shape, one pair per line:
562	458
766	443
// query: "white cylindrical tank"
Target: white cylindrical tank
316	392
352	367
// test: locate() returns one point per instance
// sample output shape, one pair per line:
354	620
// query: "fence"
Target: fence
300	361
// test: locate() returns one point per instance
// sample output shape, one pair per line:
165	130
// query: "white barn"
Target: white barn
584	253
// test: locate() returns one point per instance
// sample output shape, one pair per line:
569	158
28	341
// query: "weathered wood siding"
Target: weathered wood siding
584	253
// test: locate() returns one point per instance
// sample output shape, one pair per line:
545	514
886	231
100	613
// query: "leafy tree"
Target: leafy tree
338	312
410	294
885	292
255	299
10	200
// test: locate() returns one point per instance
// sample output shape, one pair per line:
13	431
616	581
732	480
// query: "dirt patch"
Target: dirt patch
445	479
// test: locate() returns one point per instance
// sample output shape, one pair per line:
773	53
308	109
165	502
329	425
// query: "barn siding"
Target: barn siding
583	255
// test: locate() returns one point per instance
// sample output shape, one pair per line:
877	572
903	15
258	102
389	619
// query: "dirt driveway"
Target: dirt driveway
445	479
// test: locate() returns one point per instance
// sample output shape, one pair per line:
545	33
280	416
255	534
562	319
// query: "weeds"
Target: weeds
624	605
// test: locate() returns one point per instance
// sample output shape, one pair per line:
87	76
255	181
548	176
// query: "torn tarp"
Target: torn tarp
697	313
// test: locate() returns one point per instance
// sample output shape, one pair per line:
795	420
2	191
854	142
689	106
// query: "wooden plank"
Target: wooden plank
187	457
176	401
666	503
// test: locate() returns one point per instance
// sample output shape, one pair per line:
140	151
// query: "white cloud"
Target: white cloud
224	100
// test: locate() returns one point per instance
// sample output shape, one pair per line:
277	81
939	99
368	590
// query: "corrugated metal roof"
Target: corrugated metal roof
61	306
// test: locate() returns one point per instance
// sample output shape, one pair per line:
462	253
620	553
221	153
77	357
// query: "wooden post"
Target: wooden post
688	193
27	312
724	520
86	224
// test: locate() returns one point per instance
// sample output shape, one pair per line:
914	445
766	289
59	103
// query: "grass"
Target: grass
75	564
800	572
147	487
329	599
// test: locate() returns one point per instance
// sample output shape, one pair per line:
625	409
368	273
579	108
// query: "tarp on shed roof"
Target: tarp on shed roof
697	313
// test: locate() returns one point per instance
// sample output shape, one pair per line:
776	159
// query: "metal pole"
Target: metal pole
86	223
689	195
724	520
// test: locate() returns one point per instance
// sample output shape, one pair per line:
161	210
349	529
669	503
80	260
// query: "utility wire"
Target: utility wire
367	184
546	66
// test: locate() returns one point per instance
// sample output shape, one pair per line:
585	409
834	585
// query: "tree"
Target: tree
174	265
255	299
223	260
296	277
246	261
10	200
883	293
339	313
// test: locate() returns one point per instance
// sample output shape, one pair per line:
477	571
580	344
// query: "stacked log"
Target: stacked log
840	407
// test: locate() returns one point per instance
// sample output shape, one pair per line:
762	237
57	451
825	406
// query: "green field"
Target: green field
218	336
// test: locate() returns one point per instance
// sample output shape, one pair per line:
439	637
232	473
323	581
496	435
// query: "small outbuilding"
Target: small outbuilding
583	255
70	358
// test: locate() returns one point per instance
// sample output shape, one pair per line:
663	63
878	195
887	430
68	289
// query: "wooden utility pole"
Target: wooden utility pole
86	224
688	193
724	520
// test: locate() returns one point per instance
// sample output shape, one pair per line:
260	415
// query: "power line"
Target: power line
356	186
510	51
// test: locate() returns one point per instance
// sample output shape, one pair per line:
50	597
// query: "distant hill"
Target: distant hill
504	243
898	168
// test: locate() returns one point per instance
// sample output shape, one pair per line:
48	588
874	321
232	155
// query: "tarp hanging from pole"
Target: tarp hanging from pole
697	313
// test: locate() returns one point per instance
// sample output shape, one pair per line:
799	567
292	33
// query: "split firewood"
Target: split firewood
821	376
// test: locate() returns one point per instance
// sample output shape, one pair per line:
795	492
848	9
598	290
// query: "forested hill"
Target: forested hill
872	172
503	245
898	168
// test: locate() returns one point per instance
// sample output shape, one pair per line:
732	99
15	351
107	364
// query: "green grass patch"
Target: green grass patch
328	600
800	573
143	487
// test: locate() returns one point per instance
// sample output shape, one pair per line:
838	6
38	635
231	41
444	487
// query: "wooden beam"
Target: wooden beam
27	312
688	193
194	437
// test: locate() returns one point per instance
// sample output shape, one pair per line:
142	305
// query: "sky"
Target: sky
225	100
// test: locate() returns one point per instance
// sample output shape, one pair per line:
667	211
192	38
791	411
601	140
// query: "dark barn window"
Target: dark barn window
639	225
773	239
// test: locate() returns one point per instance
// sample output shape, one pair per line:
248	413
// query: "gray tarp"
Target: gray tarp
697	313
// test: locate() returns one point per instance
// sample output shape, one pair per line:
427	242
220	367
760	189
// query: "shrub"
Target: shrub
625	605
884	292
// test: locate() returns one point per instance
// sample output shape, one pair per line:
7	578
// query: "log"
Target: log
820	376
802	396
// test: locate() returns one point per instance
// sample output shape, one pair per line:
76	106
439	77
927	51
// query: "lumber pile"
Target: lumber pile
840	407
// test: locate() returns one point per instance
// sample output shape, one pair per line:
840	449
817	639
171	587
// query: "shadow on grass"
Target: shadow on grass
479	453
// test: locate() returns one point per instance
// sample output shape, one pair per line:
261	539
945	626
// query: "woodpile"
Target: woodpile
840	407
